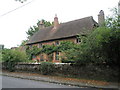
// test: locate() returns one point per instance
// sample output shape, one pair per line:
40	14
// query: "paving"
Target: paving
63	80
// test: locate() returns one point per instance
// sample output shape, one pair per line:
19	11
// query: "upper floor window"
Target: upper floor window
57	43
78	40
39	45
30	46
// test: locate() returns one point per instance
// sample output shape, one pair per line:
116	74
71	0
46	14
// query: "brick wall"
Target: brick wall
54	54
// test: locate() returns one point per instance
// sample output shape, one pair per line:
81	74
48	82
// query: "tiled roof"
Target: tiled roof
64	30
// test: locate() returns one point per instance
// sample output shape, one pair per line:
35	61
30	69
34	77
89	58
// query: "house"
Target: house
14	48
62	32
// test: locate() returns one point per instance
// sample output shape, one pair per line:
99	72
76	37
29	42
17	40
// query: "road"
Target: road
11	82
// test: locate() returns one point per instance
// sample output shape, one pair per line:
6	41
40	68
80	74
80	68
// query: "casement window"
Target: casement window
33	56
41	58
57	43
57	56
78	40
39	45
30	46
50	57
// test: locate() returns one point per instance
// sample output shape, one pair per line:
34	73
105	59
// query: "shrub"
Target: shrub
11	57
47	68
101	47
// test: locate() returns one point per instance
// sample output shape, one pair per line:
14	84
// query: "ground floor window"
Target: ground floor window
33	56
57	56
50	57
41	58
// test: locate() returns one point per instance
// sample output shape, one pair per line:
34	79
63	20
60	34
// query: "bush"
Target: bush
102	47
47	68
11	57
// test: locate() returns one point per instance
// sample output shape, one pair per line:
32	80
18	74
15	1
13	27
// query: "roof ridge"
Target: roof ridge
78	19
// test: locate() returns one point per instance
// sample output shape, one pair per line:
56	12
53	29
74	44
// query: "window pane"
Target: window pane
57	56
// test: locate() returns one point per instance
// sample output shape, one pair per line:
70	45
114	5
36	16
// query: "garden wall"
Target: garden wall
69	70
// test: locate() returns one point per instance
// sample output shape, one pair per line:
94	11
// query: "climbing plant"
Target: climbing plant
65	46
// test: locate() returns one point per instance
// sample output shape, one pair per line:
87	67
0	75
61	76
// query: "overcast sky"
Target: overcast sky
16	17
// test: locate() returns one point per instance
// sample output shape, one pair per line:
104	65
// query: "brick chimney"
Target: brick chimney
56	22
41	25
101	18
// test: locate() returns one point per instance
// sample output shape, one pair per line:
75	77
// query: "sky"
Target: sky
16	17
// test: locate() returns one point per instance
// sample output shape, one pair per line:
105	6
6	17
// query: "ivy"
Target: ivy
34	51
49	49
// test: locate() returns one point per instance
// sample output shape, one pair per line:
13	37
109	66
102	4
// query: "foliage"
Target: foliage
34	51
46	68
101	46
23	42
48	49
46	23
64	47
67	45
10	57
112	20
111	47
67	48
13	55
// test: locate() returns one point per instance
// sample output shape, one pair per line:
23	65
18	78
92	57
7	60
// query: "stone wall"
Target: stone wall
35	67
70	70
27	67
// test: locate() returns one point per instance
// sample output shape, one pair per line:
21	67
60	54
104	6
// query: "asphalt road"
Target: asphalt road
11	82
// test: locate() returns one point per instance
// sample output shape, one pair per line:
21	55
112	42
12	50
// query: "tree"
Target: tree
101	46
23	42
46	23
112	21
